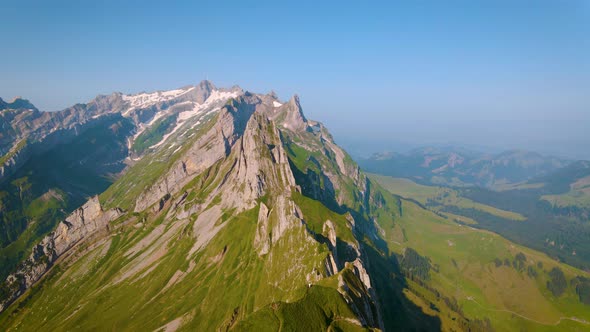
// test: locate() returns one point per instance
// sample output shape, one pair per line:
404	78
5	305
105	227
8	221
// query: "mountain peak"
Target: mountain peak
206	85
291	115
17	103
295	101
273	94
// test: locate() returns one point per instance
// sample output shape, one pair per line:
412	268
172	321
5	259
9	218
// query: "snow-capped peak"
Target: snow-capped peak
217	97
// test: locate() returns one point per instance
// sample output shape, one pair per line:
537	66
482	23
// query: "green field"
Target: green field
463	260
427	195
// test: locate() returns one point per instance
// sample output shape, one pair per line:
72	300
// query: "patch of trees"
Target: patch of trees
498	262
531	271
415	264
558	283
519	261
519	264
582	286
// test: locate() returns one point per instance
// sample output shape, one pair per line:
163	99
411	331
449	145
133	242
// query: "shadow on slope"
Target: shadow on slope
397	312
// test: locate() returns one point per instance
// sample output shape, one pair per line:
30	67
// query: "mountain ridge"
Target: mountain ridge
462	167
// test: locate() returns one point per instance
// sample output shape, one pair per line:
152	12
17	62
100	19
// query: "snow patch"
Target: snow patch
276	104
143	100
199	110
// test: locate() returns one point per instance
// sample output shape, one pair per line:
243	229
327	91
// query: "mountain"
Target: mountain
566	187
220	190
17	104
460	167
54	161
235	212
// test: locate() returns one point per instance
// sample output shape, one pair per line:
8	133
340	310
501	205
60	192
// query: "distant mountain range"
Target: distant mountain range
460	168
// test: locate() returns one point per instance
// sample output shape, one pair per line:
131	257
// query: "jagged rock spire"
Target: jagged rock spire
293	115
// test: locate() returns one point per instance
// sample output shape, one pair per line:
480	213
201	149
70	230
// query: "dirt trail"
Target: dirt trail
575	319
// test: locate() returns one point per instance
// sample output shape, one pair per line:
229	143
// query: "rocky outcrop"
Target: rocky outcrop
211	147
262	168
248	153
13	159
261	164
262	238
202	91
79	225
290	115
332	259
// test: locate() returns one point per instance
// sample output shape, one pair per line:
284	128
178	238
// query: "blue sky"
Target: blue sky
499	74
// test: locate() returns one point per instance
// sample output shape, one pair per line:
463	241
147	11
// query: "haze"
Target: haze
497	74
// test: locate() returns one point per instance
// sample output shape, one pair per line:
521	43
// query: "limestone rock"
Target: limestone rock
81	224
262	239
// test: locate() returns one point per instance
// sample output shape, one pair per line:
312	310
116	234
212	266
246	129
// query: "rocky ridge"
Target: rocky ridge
78	226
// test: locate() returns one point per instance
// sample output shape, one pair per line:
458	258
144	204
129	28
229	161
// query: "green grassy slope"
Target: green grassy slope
86	295
464	268
560	231
442	196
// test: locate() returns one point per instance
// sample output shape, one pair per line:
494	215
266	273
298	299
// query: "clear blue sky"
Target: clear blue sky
504	74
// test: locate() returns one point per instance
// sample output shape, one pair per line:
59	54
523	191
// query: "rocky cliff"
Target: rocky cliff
80	225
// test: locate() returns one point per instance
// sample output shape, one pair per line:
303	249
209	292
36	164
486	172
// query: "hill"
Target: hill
463	168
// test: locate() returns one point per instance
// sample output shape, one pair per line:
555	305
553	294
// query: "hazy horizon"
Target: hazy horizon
498	75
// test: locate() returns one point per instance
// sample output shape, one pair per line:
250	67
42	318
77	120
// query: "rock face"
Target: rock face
247	145
262	238
211	147
81	224
261	164
330	232
290	115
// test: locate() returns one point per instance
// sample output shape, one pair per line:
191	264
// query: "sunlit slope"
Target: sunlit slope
438	196
482	272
